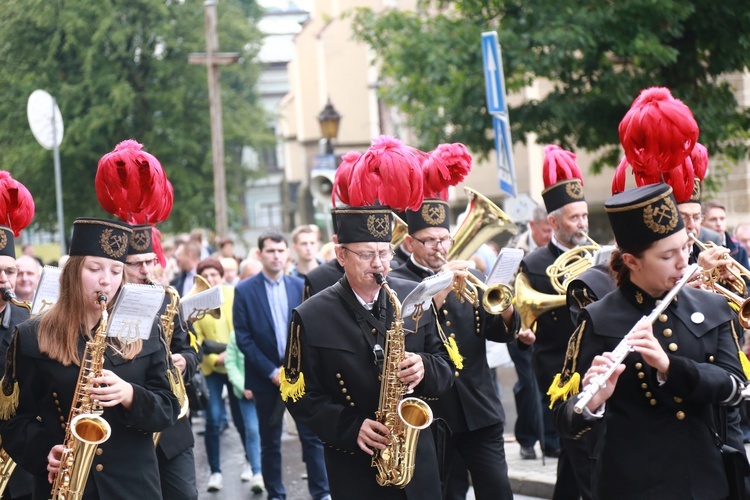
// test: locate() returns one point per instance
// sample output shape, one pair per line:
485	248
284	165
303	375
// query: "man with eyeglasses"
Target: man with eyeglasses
21	483
471	416
334	357
175	448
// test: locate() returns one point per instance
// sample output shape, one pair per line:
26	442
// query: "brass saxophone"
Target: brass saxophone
86	427
173	374
403	417
7	464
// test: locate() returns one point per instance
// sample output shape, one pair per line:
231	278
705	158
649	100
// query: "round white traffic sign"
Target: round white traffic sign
45	119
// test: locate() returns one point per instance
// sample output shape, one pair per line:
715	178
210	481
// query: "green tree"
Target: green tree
119	70
598	55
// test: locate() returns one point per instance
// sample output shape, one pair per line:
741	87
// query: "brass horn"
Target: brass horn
201	285
483	221
531	304
400	230
571	264
495	300
737	270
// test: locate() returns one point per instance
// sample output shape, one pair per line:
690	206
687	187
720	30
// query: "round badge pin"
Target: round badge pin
697	318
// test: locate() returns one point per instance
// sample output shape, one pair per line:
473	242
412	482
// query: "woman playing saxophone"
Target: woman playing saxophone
61	362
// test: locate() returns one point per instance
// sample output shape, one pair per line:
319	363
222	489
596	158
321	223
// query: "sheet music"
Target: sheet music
602	255
47	291
203	302
134	312
424	292
505	266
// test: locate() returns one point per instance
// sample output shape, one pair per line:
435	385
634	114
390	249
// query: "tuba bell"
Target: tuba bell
201	285
400	230
531	304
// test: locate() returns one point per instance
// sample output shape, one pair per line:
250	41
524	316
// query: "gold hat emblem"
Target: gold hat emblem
141	239
114	245
3	240
574	190
661	217
378	225
433	213
696	196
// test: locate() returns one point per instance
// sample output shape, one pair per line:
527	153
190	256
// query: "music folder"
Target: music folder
47	290
134	312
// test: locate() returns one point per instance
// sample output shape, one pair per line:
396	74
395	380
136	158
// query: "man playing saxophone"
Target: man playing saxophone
44	365
175	447
335	347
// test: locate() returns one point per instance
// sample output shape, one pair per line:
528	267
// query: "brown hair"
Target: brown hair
305	229
617	264
210	262
61	326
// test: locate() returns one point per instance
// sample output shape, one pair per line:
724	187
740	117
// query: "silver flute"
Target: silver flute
623	349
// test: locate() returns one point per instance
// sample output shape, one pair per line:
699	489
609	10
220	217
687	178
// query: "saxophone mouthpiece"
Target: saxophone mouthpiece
379	278
7	294
101	298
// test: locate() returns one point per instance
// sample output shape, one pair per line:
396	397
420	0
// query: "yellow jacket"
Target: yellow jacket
217	330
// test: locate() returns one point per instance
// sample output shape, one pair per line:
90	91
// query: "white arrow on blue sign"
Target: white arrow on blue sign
493	73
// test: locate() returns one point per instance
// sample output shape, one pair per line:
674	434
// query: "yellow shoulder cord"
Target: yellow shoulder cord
744	362
449	342
568	382
291	379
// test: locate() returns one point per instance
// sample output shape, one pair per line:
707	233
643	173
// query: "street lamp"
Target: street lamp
329	120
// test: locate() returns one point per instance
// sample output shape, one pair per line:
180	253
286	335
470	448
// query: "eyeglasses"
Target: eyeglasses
697	218
136	265
384	256
9	271
433	243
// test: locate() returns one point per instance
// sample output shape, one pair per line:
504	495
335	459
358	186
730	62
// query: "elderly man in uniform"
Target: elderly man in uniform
331	377
471	409
175	448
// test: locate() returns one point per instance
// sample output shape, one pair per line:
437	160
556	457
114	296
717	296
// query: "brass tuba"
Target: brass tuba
571	264
531	304
403	417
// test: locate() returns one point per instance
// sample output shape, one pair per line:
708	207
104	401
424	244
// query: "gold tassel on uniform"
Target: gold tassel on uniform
568	382
744	362
453	353
9	385
291	379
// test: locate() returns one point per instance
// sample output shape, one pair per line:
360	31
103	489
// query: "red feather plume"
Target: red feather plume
699	157
16	204
447	165
389	173
658	132
559	165
343	176
619	179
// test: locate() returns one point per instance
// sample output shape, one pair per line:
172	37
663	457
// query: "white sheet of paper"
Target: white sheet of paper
505	266
203	301
602	255
424	292
47	291
134	313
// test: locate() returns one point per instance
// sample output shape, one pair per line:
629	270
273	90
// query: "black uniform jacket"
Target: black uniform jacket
21	482
342	388
472	403
553	328
124	466
179	437
657	443
322	277
591	285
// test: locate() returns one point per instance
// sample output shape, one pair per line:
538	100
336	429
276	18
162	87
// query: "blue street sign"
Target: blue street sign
493	73
504	152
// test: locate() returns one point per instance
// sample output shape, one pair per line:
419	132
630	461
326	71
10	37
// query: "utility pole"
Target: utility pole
212	59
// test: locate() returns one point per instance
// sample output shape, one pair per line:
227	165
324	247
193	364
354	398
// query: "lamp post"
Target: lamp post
329	120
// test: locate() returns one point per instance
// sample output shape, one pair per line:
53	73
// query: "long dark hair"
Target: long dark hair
617	264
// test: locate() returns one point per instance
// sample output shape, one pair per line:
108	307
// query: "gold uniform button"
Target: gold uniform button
447	323
644	385
456	373
648	394
452	335
374	331
99	451
351	404
57	402
445	311
673	347
663	318
99	467
680	415
711	359
54	394
348	398
653	402
62	419
667	332
338	375
343	389
638	365
677	400
62	426
478	330
641	374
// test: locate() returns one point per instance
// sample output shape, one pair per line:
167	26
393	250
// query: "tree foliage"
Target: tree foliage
598	55
119	69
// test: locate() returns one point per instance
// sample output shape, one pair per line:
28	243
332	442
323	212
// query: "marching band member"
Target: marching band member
568	215
44	362
331	373
471	409
657	406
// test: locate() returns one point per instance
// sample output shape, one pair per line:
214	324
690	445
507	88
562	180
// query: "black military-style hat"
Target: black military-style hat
643	215
141	241
100	238
695	196
370	224
560	194
7	242
433	213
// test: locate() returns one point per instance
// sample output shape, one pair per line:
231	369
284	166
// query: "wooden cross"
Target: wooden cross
212	59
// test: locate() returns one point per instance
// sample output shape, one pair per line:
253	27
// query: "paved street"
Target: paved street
528	477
